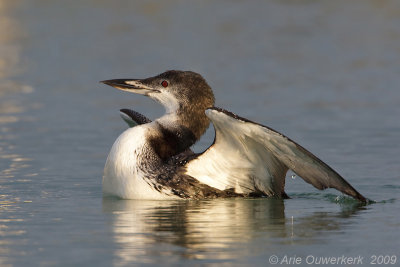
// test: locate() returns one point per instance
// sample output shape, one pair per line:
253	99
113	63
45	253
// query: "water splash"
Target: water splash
338	199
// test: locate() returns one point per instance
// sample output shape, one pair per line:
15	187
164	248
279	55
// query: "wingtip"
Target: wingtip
357	196
363	199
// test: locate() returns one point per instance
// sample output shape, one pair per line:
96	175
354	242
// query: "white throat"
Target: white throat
168	100
168	120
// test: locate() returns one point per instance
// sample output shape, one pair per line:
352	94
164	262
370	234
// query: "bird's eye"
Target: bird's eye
164	83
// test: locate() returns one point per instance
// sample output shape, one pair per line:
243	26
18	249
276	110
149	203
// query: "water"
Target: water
325	73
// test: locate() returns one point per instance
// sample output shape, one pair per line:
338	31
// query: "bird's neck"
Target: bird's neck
178	131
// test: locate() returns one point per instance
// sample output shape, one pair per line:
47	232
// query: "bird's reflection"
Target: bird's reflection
221	228
202	226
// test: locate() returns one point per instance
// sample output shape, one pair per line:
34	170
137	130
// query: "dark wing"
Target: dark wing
250	157
133	118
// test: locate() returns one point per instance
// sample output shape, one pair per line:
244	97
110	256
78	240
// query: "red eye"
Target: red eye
164	83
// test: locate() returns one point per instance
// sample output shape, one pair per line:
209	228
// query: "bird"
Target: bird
154	160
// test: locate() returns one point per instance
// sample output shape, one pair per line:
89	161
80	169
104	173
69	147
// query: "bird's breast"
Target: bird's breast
123	175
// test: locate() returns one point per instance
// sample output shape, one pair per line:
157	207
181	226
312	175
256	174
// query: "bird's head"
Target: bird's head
177	91
184	94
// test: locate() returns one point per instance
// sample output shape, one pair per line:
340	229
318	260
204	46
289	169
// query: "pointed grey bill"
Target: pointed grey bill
131	85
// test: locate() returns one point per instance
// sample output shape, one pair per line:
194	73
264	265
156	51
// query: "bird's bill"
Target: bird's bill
129	85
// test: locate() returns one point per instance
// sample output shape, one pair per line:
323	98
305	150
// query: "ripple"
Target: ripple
8	119
333	198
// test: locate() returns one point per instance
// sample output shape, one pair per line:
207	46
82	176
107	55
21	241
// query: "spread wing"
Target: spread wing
252	158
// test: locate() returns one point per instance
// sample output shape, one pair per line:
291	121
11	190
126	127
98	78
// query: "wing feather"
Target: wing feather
133	118
249	157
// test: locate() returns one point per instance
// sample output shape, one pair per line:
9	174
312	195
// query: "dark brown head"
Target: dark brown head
184	94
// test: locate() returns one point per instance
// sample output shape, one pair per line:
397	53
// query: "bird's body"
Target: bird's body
153	160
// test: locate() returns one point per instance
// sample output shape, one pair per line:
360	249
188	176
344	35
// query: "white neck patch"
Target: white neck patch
168	100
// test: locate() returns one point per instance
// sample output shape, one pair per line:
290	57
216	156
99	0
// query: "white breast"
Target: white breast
122	177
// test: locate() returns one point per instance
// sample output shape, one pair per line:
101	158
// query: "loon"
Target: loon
153	159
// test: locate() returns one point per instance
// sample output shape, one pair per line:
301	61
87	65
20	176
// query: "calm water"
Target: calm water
325	73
